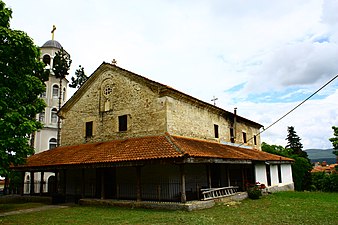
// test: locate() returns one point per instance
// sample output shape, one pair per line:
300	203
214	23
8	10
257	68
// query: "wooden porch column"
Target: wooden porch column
183	194
64	189
209	175
6	188
22	187
243	178
102	184
31	191
228	175
56	184
41	183
138	184
83	183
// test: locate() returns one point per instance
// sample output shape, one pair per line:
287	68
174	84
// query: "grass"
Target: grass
279	208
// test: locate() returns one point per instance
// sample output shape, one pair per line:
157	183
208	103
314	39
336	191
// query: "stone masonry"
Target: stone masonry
150	108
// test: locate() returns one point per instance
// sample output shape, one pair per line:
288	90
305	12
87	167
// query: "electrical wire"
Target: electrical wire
294	108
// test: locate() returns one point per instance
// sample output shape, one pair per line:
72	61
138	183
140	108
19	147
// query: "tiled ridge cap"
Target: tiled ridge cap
174	144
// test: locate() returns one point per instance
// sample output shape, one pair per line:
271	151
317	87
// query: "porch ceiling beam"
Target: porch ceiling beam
214	160
51	168
278	162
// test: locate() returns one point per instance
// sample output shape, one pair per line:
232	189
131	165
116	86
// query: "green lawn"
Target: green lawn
279	208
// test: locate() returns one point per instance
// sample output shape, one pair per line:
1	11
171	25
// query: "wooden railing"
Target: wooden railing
212	193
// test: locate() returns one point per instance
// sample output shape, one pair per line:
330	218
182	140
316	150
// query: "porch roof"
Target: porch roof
142	149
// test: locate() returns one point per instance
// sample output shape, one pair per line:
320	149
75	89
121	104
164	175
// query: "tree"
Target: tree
61	65
294	143
80	78
301	173
276	149
21	83
334	140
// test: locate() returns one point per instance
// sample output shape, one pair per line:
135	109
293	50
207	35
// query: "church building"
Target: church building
127	137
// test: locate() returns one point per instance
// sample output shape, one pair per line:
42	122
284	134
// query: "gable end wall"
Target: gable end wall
146	112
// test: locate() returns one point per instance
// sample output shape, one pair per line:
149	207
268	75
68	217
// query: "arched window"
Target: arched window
52	143
55	91
44	94
42	116
54	116
46	59
27	184
64	94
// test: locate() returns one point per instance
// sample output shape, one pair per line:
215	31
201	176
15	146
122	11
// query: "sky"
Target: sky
263	57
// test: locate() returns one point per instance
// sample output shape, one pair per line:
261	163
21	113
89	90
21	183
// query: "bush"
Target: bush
254	192
325	182
301	173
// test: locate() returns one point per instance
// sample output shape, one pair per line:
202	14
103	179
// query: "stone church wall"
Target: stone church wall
114	94
190	120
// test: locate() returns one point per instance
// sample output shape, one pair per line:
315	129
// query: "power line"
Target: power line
294	108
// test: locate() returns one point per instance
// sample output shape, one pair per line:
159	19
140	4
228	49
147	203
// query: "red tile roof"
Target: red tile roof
144	148
327	169
209	149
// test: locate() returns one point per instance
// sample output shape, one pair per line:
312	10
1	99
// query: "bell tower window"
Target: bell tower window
44	94
55	91
64	94
52	143
54	116
42	117
46	60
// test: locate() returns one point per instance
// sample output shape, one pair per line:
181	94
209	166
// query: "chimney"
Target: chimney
235	121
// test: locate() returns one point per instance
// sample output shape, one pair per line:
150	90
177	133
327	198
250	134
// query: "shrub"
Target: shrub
254	192
325	182
301	173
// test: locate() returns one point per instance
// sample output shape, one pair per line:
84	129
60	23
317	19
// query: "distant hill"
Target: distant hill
320	155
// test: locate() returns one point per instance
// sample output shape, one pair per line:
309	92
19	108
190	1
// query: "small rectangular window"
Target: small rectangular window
268	174
244	137
279	173
232	136
89	129
123	123
255	140
216	130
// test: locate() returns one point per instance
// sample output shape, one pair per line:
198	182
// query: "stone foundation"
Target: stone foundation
277	188
239	196
16	199
189	206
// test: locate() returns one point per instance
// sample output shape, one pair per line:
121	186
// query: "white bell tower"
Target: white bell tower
46	138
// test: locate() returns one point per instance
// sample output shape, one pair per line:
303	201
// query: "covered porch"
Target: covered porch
161	181
160	168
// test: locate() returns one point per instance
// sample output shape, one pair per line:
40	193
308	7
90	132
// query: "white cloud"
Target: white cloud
204	48
312	121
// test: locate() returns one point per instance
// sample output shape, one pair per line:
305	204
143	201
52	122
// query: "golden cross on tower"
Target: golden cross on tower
214	100
54	28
